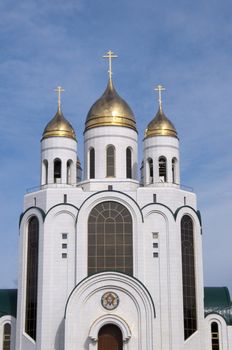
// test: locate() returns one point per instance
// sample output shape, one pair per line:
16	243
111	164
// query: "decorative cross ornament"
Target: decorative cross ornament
160	88
59	90
110	55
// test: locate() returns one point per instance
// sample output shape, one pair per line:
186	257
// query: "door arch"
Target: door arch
110	338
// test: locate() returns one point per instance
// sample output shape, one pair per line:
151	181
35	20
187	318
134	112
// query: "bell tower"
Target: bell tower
58	151
161	150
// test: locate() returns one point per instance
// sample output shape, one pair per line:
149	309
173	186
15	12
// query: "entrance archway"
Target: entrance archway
110	338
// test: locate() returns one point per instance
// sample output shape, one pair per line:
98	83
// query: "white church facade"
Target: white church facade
110	261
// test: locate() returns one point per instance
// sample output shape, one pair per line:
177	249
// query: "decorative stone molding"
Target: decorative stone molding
112	319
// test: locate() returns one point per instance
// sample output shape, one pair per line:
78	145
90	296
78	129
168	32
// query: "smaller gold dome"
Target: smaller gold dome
110	109
160	126
59	127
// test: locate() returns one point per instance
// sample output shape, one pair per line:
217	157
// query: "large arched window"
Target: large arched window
32	277
128	163
188	277
215	336
110	246
110	161
162	169
150	171
92	163
6	336
57	170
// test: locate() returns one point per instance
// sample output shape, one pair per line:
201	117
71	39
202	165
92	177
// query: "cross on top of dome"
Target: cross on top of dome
110	55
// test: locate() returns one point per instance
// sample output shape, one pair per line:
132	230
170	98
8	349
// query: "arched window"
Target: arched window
128	163
69	171
188	277
214	336
6	336
174	162
92	163
32	277
57	171
151	171
110	337
110	161
45	172
110	246
162	169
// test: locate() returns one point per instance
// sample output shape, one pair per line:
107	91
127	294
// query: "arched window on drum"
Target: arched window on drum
110	161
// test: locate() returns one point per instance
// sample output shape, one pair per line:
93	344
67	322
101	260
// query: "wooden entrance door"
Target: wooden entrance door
110	338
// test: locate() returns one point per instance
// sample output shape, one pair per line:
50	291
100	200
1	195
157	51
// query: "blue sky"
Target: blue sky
185	45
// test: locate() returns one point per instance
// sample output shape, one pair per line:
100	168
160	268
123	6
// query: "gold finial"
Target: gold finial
160	88
59	90
110	55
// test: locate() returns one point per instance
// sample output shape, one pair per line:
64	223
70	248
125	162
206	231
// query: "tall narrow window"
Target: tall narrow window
92	163
69	171
150	171
188	277
162	169
110	246
110	161
174	162
45	172
57	171
128	163
32	277
214	336
6	336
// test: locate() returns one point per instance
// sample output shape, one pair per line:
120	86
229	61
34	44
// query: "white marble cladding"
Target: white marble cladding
100	138
63	149
161	146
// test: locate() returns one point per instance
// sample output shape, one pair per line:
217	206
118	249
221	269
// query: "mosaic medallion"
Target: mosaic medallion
110	300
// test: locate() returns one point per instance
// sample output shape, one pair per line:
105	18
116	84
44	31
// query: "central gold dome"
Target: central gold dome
110	109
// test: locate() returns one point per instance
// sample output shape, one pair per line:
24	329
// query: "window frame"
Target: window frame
110	161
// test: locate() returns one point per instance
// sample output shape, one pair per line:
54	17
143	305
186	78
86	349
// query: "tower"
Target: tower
161	150
110	141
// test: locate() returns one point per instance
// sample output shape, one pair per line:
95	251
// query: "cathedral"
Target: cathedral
110	260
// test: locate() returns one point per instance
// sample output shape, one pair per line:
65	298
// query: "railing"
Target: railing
51	185
65	185
171	184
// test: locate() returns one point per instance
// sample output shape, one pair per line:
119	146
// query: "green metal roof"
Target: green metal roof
8	302
217	300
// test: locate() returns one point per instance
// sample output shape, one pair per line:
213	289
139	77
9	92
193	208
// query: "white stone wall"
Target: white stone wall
121	138
62	148
161	275
156	147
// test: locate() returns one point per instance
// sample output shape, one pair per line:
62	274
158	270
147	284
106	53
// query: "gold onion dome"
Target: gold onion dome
160	124
59	127
110	109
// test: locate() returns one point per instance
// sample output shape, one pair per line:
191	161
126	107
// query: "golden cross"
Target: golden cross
59	90
160	88
110	55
